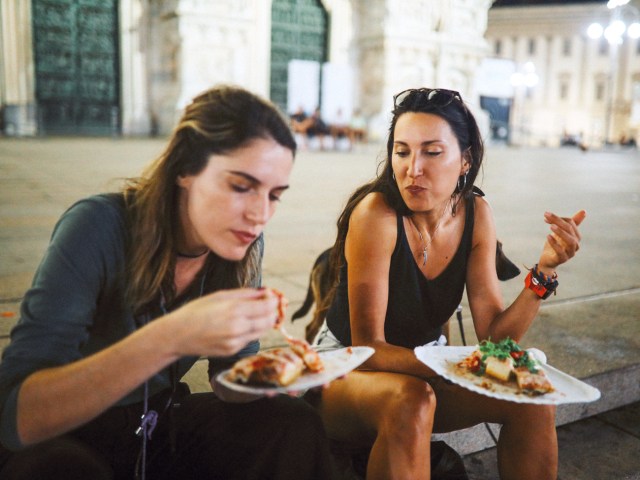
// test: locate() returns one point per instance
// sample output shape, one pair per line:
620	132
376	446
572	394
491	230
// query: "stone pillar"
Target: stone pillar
208	43
163	56
17	80
196	44
368	50
404	44
341	34
134	77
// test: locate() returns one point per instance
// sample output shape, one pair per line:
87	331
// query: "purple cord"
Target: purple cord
148	424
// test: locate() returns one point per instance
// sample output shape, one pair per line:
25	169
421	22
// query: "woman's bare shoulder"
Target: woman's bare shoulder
373	223
372	232
373	207
483	219
483	210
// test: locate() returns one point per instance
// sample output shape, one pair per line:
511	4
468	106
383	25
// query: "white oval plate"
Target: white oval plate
337	363
443	361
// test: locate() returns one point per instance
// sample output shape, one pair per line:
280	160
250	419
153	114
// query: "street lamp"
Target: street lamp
614	34
523	80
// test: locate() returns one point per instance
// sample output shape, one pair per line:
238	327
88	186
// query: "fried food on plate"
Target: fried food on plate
279	367
310	357
507	362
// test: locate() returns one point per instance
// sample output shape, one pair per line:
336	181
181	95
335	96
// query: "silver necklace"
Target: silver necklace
433	235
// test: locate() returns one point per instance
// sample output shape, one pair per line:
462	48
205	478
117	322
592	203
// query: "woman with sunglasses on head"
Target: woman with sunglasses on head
133	289
408	244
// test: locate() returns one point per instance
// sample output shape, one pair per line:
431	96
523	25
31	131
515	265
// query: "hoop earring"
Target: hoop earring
393	175
464	182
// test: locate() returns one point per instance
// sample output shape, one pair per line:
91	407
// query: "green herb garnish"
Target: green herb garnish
507	348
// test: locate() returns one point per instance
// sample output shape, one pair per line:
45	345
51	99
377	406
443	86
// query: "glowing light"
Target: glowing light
611	4
634	30
595	30
613	33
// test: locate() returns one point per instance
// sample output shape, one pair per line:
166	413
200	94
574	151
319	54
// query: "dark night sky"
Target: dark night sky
511	3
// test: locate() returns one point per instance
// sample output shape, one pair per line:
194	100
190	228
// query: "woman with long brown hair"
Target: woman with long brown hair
133	289
409	243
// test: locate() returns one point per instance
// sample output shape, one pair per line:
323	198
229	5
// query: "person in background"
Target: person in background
408	244
318	128
339	129
135	287
628	141
357	128
300	121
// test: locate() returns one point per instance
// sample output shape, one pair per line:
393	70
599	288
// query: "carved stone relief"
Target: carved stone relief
436	43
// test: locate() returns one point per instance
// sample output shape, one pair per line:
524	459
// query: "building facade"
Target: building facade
584	89
129	66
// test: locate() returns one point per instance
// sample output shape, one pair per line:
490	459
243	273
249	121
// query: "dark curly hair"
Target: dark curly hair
449	106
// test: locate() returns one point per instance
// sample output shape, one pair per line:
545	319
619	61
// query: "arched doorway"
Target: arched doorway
76	66
298	32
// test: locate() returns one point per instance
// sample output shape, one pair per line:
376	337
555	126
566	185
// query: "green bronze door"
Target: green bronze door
76	66
298	31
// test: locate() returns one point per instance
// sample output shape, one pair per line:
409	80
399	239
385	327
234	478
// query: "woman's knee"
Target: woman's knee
541	416
411	407
545	414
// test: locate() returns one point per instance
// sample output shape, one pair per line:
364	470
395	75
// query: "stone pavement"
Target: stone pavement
589	330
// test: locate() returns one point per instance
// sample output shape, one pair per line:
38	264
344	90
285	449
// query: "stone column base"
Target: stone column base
19	120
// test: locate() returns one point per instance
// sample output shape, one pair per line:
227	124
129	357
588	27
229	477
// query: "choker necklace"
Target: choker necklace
190	255
425	245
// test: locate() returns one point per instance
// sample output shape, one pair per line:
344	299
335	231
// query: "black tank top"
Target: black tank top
417	308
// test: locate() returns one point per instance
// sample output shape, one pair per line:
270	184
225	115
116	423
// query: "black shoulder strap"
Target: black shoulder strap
477	191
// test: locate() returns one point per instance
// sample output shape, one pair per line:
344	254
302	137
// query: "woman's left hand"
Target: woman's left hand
564	240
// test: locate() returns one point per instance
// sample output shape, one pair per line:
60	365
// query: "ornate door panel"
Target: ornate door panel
76	58
298	31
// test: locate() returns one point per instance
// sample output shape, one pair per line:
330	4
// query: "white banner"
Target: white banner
304	86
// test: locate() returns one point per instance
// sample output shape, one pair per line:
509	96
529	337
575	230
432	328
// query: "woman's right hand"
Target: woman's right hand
219	324
562	242
223	322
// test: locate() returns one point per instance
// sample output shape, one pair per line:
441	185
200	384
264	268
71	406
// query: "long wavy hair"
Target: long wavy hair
451	109
218	121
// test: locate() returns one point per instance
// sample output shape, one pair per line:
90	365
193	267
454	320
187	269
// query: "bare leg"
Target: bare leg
393	412
528	445
537	457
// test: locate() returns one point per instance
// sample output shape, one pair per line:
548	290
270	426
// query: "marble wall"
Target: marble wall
17	82
173	49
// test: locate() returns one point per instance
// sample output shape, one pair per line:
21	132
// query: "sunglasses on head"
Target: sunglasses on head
439	97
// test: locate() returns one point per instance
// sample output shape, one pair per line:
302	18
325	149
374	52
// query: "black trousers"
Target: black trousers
271	438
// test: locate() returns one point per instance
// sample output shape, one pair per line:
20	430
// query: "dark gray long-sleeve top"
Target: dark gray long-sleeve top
75	307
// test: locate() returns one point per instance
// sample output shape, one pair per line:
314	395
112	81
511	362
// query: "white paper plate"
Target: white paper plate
443	361
337	363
